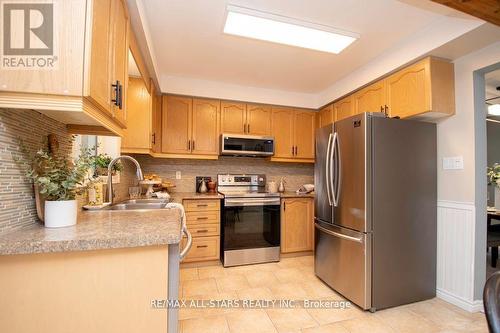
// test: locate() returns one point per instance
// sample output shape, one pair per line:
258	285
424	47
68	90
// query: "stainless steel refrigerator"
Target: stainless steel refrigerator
376	210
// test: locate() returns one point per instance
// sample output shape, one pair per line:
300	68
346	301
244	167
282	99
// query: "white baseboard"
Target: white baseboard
475	306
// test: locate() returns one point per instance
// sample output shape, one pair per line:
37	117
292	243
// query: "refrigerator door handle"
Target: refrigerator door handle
338	169
339	235
329	189
334	158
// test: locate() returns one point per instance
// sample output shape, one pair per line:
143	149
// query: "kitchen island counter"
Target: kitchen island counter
98	230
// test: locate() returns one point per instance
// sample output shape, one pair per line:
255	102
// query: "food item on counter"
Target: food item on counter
152	176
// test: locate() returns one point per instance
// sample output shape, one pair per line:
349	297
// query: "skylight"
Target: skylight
283	30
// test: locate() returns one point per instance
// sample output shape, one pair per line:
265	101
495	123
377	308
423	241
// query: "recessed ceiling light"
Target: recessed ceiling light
494	110
279	29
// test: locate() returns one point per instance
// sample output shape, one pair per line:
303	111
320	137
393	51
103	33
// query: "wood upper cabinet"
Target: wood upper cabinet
155	119
190	127
293	132
241	118
424	87
304	132
258	119
282	130
370	99
119	45
205	127
326	115
343	108
137	136
101	62
233	117
90	56
297	224
176	125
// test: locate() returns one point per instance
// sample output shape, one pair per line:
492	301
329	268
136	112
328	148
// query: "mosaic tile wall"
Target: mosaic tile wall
17	203
295	174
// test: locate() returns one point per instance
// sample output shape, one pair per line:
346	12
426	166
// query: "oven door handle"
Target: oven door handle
252	202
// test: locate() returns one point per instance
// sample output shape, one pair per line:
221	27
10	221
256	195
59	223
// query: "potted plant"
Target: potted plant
494	179
58	180
101	163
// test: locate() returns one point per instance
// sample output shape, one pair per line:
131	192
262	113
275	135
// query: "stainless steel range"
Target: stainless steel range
250	223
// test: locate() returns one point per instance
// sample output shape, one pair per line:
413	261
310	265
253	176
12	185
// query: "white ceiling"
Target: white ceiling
191	51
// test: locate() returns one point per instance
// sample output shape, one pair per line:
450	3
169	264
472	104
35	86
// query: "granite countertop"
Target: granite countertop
295	195
179	196
98	230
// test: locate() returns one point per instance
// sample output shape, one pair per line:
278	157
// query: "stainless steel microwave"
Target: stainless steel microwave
247	145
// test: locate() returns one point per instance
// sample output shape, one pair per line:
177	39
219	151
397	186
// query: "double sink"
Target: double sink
136	204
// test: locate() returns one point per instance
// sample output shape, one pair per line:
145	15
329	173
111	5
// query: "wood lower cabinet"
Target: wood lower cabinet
326	115
424	89
203	222
297	224
370	99
233	117
137	136
343	108
294	135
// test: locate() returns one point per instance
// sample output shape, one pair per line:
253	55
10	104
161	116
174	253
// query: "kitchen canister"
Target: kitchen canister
272	187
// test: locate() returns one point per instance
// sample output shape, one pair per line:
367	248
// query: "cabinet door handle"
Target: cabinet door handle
204	230
189	144
248	128
154	138
193	145
201	246
386	109
202	205
293	150
116	88
202	218
296	150
284	205
381	108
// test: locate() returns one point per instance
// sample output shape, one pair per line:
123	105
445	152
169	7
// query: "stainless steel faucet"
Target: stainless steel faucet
138	172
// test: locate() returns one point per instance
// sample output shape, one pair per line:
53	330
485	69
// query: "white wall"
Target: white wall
465	135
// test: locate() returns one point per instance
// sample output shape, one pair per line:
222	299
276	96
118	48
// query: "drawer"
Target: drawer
202	230
201	205
204	248
203	217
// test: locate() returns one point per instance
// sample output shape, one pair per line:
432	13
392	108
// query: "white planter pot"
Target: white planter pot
60	213
497	197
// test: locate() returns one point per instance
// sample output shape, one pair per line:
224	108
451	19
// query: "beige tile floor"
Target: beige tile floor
293	278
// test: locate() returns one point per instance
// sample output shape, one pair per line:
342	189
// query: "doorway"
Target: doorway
492	104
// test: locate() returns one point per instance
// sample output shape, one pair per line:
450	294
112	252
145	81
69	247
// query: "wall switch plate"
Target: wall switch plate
178	175
453	163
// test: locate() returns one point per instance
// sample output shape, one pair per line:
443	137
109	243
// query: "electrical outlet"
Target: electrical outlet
178	175
453	163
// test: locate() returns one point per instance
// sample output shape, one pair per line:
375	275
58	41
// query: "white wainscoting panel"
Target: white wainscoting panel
455	254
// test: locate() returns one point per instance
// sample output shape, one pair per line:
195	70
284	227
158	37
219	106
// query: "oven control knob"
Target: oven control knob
261	179
223	179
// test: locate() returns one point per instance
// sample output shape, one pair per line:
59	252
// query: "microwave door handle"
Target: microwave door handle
327	170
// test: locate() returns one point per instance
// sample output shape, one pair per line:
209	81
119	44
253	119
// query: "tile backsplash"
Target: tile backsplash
295	174
17	202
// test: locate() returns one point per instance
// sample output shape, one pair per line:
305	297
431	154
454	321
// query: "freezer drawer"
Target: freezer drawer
342	260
